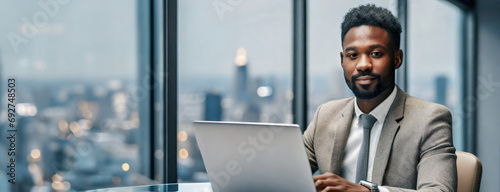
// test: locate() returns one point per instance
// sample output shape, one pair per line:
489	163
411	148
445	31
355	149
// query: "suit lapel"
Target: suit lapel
342	127
389	130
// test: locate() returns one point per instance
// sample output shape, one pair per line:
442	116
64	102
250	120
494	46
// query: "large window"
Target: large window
235	64
435	57
325	76
77	118
87	115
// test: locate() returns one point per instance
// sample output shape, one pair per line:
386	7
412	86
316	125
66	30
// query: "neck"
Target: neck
367	105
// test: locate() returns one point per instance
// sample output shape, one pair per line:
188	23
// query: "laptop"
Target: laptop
254	156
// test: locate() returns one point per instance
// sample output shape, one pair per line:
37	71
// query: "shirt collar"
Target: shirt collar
380	112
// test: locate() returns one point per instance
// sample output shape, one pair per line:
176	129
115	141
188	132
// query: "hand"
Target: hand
329	182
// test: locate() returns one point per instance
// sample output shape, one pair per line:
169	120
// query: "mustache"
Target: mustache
354	77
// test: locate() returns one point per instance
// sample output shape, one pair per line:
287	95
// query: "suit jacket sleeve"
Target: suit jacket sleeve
308	138
436	170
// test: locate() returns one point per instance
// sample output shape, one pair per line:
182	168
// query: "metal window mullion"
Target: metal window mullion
402	72
157	86
144	27
171	92
299	104
470	75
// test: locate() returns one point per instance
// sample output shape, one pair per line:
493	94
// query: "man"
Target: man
382	137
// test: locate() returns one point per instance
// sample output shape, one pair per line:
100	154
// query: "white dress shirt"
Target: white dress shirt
355	139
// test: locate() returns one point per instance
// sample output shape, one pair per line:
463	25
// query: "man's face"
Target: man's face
369	61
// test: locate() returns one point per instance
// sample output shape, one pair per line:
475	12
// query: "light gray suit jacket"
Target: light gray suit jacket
415	150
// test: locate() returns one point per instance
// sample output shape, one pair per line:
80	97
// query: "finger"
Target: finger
319	185
339	188
329	189
322	184
319	177
330	182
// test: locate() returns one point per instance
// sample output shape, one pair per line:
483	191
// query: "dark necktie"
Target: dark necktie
362	167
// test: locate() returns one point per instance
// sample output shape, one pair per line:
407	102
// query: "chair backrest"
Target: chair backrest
469	170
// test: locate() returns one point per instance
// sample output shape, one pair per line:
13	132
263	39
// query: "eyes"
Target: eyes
374	54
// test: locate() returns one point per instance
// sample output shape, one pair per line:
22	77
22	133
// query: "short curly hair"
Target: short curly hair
373	16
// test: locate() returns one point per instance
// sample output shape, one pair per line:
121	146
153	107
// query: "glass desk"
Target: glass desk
173	187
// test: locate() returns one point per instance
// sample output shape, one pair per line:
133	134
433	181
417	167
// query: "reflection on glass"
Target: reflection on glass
325	76
235	64
75	64
434	59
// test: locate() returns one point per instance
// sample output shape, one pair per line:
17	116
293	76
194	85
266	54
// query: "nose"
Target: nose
364	64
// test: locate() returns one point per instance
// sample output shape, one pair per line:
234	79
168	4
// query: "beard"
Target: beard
365	94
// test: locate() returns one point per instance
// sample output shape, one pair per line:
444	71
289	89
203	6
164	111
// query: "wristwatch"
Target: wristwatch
372	186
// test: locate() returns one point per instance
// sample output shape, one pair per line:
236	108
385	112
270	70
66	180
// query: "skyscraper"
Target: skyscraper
213	108
241	75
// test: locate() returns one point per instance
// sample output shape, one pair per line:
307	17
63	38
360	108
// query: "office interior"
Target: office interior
106	90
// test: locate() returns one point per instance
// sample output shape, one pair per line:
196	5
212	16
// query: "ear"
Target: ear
341	58
398	59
